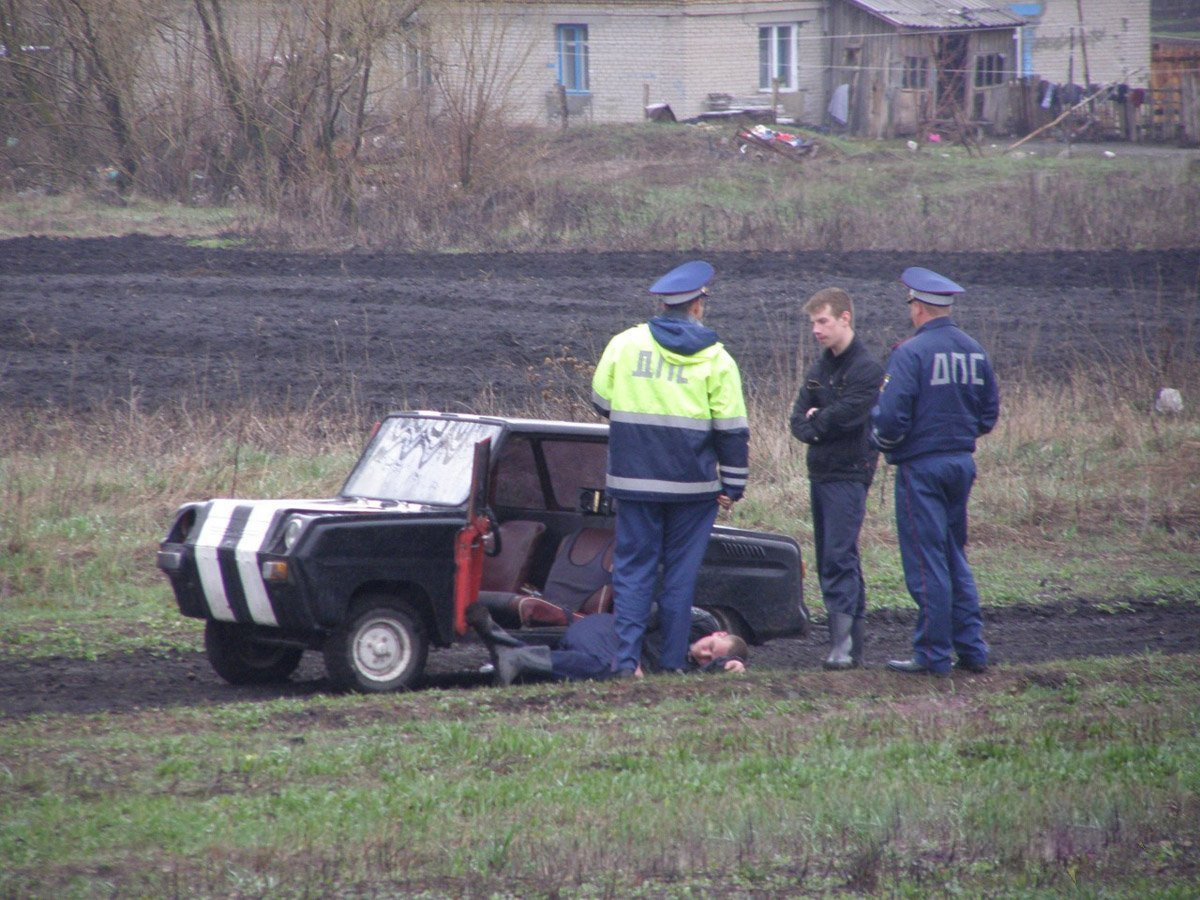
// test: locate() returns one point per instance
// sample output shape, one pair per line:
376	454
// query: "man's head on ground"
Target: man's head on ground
717	646
831	312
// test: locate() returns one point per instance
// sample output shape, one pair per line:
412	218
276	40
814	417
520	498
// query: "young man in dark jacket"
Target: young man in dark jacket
831	415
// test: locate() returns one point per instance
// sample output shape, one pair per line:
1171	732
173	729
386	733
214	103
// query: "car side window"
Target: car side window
574	465
516	483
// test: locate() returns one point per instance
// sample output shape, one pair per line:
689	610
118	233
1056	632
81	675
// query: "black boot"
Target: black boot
522	662
492	635
841	643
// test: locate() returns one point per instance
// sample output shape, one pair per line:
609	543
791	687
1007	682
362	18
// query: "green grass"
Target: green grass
683	187
91	215
1050	779
218	243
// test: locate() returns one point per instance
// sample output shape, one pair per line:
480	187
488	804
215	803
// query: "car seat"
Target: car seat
508	571
579	584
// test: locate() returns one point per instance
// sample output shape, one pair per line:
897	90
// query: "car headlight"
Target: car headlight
291	531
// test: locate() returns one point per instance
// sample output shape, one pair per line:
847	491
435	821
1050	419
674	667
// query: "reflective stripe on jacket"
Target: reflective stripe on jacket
678	427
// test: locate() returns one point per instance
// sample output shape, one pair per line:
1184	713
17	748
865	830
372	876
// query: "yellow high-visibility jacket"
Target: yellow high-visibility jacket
678	427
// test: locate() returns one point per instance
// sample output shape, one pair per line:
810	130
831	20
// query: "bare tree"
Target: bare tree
69	67
300	111
98	33
479	51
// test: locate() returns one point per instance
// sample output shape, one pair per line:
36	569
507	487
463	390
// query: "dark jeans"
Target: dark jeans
838	510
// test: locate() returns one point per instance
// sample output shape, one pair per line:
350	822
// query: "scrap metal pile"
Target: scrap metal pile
760	137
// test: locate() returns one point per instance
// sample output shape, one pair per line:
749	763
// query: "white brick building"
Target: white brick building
1110	44
613	57
606	60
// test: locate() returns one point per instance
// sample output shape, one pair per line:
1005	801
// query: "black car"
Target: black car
441	511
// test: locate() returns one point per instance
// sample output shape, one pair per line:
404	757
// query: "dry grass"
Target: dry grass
674	187
1082	489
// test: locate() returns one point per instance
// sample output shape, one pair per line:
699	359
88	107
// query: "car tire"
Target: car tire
380	647
238	658
731	622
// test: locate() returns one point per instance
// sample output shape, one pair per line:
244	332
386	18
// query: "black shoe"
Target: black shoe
622	673
973	668
912	667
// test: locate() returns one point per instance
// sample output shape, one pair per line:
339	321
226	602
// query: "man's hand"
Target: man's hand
735	665
724	502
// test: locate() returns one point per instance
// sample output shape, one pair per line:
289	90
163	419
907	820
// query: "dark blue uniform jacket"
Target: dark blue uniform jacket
939	394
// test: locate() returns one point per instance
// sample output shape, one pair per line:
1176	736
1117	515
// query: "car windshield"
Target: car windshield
420	460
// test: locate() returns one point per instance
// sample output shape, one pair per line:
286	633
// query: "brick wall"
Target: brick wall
666	53
1116	34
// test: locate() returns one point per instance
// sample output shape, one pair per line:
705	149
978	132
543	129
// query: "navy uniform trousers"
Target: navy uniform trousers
651	532
931	523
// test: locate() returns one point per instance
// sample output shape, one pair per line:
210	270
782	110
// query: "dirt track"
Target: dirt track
1017	635
88	323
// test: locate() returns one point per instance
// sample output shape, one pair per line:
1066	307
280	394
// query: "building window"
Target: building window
916	72
777	56
573	58
989	69
415	60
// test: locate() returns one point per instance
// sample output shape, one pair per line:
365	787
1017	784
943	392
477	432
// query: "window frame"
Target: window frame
915	74
573	37
990	69
769	66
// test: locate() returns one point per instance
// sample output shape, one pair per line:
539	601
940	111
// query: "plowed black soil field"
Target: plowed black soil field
92	322
88	324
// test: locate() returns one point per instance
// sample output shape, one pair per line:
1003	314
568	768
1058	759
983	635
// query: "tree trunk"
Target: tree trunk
250	151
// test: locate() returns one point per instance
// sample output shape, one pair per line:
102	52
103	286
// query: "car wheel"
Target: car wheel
730	621
238	658
381	647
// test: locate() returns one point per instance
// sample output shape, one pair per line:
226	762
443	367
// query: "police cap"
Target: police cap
684	283
929	287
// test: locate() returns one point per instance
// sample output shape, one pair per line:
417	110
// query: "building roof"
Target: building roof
940	13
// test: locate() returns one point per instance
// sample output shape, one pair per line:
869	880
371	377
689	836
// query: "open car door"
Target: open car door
468	545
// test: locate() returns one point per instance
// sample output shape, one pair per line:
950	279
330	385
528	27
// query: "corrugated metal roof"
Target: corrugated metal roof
941	13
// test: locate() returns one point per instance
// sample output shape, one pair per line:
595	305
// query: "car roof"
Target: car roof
518	424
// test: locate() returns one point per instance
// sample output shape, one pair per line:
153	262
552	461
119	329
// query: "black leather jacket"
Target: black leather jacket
843	388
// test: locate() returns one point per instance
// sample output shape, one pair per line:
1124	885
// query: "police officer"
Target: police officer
678	448
939	394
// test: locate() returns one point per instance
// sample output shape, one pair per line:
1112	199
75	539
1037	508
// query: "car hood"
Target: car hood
248	524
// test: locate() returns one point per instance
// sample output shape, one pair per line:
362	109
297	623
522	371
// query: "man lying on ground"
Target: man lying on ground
588	649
